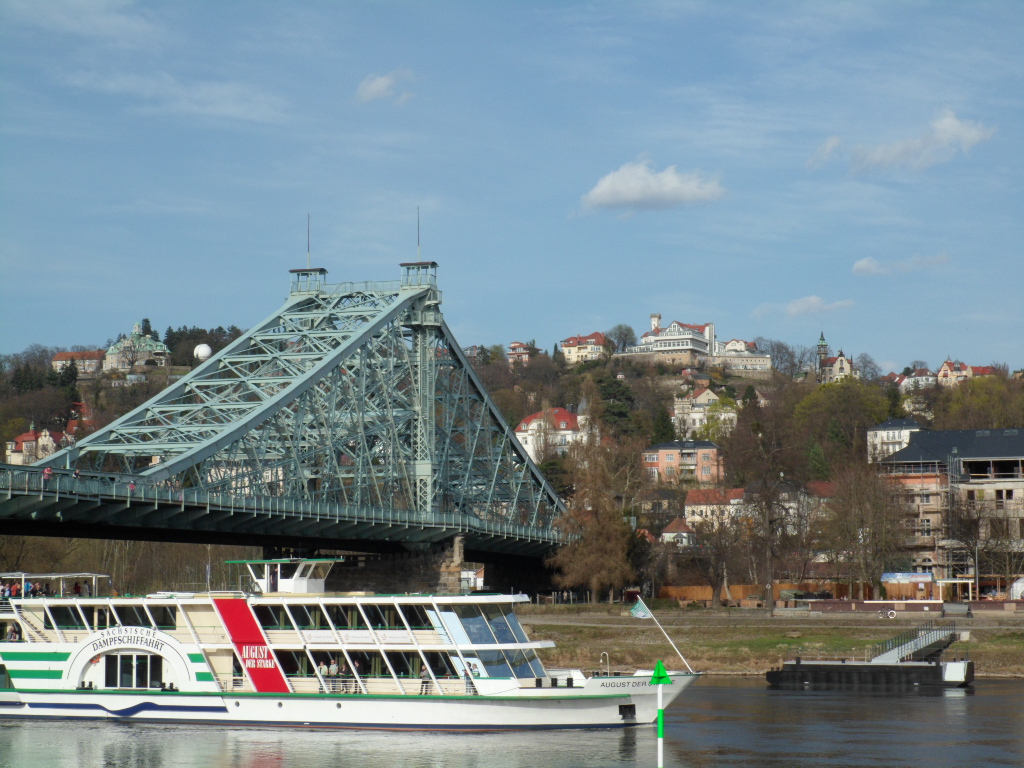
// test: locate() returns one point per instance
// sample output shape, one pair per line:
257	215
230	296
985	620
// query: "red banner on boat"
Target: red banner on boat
256	657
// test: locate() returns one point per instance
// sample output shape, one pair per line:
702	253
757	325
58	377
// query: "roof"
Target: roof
555	415
713	496
939	446
693	327
895	424
823	489
983	370
33	435
677	526
682	445
98	354
594	338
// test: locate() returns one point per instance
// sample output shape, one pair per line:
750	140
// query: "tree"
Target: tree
147	327
869	370
718	543
664	430
621	337
597	557
866	525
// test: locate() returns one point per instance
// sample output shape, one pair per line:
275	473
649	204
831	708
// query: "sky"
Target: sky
779	169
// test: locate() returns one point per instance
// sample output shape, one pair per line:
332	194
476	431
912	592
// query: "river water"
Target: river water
717	722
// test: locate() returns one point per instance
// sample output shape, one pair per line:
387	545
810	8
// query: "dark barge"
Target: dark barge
910	660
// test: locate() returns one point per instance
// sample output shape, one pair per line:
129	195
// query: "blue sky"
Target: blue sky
779	169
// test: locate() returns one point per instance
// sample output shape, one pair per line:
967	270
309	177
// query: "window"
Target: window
705	457
651	458
133	670
705	470
926	498
670	471
652	473
670	457
925	526
562	425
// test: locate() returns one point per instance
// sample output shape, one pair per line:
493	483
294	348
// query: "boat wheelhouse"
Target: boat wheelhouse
289	654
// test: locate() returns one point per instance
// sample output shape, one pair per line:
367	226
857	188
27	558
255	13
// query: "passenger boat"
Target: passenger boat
265	657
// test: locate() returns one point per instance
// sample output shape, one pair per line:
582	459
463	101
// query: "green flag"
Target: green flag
660	676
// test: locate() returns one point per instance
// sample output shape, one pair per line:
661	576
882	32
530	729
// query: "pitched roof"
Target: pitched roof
939	446
594	338
983	370
33	435
713	496
823	489
677	526
556	416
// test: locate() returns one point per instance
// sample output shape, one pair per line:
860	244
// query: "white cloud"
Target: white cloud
814	305
376	87
939	144
105	19
869	267
635	185
165	94
824	152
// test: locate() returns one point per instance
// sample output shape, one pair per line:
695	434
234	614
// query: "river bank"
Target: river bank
747	641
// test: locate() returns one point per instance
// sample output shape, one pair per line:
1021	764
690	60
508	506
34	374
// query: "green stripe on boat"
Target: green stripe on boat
204	677
35	656
36	674
197	658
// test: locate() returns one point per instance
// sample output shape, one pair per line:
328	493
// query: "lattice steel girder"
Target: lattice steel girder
354	395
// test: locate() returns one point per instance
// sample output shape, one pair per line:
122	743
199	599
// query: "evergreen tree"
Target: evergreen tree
664	429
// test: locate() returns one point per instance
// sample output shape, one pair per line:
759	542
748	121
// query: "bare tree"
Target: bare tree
621	336
719	542
869	370
867	525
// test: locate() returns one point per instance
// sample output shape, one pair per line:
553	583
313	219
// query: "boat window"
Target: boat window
99	618
417	617
515	626
382	616
272	617
538	668
308	616
496	620
404	664
65	616
133	670
131	616
5	679
165	616
520	662
439	664
369	664
294	663
346	617
494	664
288	570
474	623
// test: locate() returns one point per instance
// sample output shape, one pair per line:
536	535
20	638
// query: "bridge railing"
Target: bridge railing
62	483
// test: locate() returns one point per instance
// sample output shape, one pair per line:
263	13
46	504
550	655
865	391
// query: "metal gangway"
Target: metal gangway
922	642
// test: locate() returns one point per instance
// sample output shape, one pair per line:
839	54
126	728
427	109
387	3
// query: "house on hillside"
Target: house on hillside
713	503
678	532
582	349
520	353
921	378
890	436
87	363
34	445
551	431
953	372
137	348
676	344
691	411
698	461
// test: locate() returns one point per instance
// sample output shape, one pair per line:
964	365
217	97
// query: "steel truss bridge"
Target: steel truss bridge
349	415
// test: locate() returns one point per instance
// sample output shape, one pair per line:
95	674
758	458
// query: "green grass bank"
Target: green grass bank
748	641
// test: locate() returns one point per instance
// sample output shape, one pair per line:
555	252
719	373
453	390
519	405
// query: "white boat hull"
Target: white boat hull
544	709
